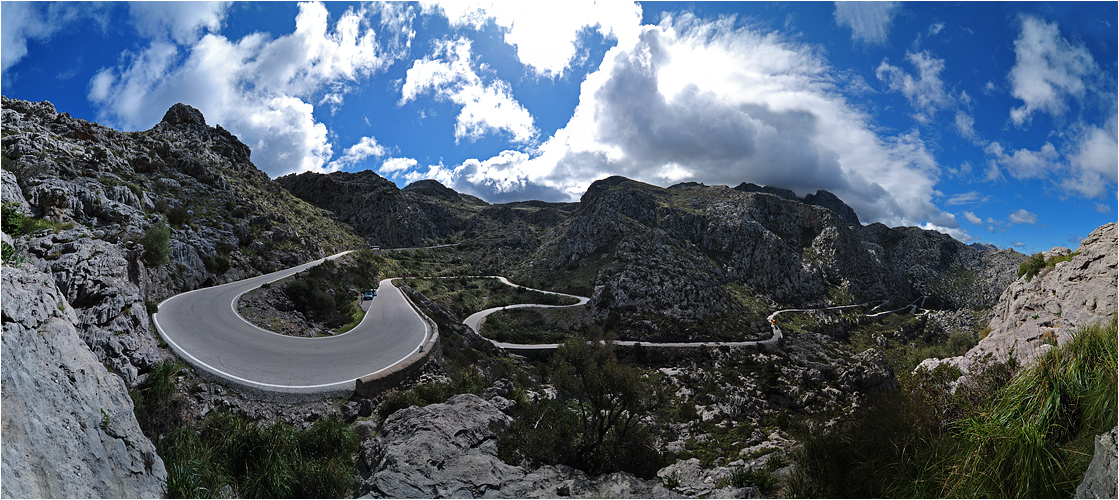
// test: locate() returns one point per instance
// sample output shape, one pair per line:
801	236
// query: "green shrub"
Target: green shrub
11	256
1031	266
15	223
157	243
178	216
159	405
217	264
595	423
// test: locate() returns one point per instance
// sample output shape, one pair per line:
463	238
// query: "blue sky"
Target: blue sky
993	122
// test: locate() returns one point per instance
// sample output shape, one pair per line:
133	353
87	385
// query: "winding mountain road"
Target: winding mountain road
202	326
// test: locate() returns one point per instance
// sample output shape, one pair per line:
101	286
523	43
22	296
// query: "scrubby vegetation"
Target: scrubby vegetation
156	242
328	292
536	326
259	461
464	296
596	422
1007	433
1037	263
17	224
227	455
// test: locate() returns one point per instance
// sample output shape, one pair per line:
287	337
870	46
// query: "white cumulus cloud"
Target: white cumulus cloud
711	102
972	218
1047	69
547	35
1023	216
365	148
393	166
925	92
181	22
1024	163
484	107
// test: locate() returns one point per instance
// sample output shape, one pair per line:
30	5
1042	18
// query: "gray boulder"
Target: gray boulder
1100	480
69	426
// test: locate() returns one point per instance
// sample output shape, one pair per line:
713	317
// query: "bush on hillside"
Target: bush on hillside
595	423
157	244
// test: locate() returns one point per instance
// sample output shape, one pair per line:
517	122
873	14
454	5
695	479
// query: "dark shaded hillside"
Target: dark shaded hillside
691	257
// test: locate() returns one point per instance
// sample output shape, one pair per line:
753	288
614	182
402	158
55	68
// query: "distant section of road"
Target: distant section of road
476	320
203	327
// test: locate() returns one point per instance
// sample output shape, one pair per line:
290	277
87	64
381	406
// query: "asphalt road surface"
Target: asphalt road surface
203	327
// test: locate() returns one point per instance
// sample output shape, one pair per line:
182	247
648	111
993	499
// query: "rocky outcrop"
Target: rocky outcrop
449	450
1101	479
821	198
371	204
69	427
228	219
422	213
1035	314
98	280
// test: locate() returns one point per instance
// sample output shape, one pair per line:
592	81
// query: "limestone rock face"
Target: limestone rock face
1033	314
69	427
449	450
96	279
1100	480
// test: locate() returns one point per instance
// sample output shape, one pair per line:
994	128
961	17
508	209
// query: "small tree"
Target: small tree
157	243
609	399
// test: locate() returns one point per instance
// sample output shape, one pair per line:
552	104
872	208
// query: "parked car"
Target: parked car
368	295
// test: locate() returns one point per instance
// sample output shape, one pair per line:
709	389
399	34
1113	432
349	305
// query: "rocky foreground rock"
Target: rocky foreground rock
449	450
1103	473
69	426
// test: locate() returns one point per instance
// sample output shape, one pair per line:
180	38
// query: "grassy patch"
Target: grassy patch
462	382
16	224
259	461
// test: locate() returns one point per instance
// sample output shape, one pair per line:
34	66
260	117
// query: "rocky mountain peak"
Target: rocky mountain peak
184	114
822	198
433	188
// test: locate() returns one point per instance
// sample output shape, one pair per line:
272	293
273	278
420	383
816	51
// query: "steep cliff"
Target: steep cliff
69	427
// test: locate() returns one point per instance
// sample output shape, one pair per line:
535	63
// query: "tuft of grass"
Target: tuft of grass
260	461
463	381
1027	441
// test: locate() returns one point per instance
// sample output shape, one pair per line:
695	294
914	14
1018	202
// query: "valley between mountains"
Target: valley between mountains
702	341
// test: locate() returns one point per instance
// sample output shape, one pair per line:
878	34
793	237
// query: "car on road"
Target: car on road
368	294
